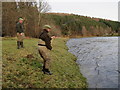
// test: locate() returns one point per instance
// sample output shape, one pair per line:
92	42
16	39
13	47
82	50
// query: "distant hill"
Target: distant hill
76	25
94	18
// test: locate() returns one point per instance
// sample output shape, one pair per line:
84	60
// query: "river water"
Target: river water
98	60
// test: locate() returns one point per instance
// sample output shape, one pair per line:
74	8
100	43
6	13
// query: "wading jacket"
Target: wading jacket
46	38
19	28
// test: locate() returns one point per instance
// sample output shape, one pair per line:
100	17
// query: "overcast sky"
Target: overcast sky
106	9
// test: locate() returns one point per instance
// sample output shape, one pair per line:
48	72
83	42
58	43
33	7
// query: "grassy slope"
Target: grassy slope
22	72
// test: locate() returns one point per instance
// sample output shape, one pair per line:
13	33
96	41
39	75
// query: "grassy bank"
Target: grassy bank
22	68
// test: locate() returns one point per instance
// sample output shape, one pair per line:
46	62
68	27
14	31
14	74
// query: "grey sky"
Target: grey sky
107	9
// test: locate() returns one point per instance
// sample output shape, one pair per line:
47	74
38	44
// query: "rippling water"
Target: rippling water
98	60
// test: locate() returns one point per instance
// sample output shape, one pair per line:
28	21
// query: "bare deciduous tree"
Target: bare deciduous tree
43	7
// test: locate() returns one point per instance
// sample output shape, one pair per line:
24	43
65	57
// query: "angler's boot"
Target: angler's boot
21	43
18	44
46	71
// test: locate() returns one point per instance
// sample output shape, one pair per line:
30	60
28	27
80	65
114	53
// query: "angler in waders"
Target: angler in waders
45	48
20	33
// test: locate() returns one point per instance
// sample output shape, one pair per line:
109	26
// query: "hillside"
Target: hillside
72	25
63	24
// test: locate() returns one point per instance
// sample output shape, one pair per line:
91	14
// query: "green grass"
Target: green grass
22	72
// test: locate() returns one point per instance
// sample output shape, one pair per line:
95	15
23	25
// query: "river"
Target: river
98	60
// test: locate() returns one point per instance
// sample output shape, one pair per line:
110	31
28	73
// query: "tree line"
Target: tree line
72	24
35	16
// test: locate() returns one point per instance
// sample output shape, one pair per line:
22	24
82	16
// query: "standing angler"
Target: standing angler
20	33
45	47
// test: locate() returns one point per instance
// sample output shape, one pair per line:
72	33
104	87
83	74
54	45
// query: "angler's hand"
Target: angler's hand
53	37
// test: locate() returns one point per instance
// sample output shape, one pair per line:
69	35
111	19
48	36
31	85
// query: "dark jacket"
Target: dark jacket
19	28
46	38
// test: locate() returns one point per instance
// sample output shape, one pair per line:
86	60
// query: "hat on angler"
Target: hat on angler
20	18
46	27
